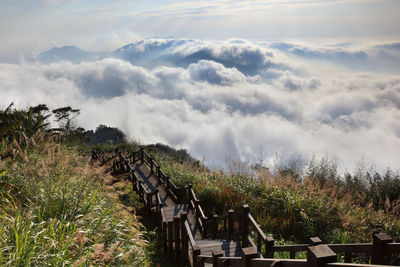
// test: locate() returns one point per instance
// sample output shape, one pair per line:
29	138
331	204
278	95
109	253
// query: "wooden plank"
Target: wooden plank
229	247
169	207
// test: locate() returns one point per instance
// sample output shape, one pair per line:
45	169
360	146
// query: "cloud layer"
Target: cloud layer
232	98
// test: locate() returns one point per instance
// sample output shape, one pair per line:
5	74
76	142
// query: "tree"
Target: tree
65	118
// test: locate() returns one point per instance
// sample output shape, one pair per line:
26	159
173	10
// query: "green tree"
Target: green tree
22	124
65	118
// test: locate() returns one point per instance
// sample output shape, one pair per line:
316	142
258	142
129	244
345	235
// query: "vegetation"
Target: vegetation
291	206
54	208
105	135
54	212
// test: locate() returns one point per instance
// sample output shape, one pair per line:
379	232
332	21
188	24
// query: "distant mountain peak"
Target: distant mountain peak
69	53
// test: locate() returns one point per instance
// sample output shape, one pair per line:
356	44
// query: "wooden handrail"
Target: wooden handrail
354	248
202	216
381	247
257	227
189	233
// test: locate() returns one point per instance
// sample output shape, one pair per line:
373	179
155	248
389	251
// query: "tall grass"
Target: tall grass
291	206
53	213
292	202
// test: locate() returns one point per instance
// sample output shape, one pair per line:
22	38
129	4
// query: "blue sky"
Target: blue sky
29	27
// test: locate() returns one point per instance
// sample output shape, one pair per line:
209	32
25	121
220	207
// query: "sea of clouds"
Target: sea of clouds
234	98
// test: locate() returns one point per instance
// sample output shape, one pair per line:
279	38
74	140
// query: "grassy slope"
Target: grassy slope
54	211
286	207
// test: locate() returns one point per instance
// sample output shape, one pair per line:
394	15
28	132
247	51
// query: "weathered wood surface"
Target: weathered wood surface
169	207
183	240
228	247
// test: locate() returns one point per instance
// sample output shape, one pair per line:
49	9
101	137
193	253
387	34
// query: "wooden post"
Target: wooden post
182	195
318	256
177	237
314	241
141	189
205	223
245	225
141	155
378	248
195	253
216	253
167	184
292	254
230	224
348	256
127	165
158	204
138	186
269	247
158	173
248	254
189	194
151	165
215	225
165	237
170	238
258	241
197	204
149	201
185	239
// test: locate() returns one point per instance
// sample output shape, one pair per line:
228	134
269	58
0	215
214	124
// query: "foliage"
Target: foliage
21	125
294	207
54	213
65	118
105	135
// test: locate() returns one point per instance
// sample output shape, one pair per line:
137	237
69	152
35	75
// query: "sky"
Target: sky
29	27
237	79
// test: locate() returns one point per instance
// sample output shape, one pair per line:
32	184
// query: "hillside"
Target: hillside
293	208
56	207
235	212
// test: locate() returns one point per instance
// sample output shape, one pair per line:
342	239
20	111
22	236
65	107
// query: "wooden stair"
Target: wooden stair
193	239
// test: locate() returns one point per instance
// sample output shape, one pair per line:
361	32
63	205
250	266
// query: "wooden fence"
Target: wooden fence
179	241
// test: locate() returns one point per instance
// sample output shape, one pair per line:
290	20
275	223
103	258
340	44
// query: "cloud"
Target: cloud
57	2
215	73
249	58
214	109
381	58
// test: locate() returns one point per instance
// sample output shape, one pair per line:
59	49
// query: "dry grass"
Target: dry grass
56	210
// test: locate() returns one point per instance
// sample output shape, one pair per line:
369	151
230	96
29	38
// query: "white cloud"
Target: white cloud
213	109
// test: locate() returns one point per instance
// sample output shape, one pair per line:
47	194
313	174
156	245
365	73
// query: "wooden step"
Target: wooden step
169	207
229	247
171	211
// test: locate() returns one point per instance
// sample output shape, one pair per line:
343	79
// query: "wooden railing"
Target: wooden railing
194	204
178	239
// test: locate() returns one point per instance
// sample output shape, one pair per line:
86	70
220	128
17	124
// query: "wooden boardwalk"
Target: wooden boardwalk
170	209
186	228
